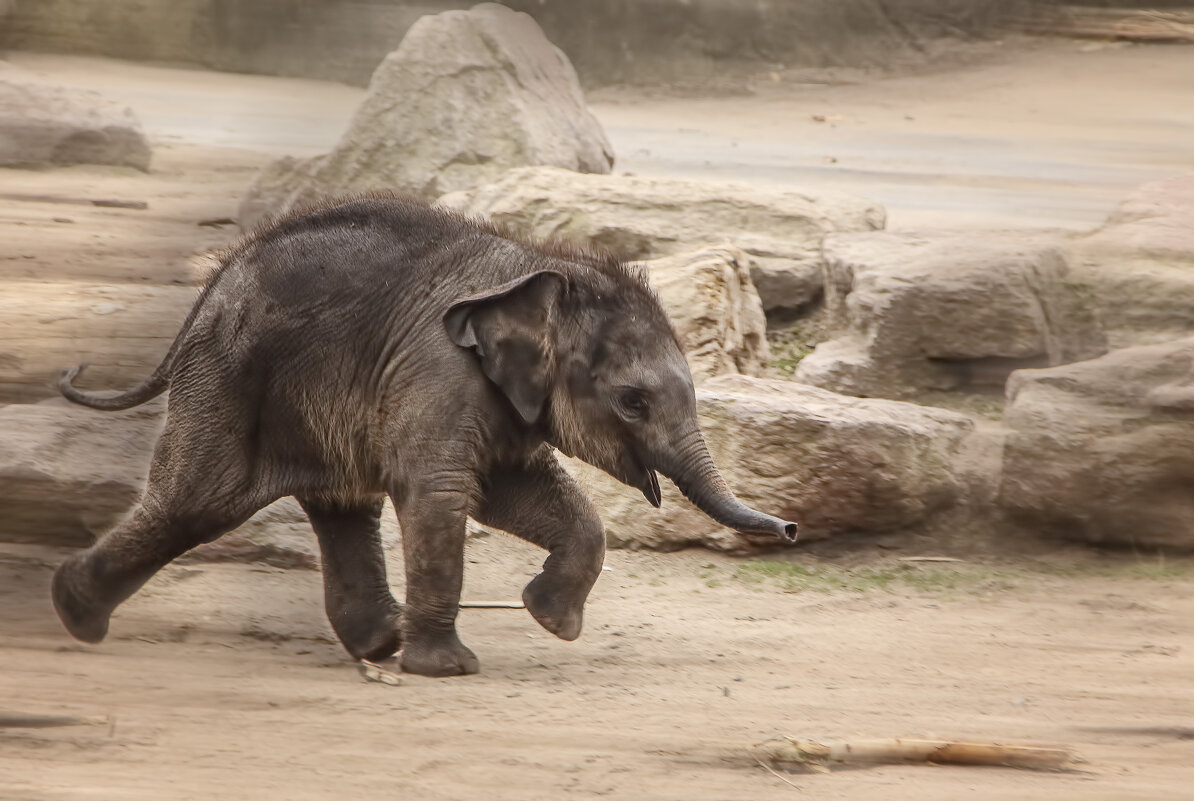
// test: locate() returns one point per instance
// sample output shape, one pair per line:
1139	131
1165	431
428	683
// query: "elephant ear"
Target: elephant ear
509	328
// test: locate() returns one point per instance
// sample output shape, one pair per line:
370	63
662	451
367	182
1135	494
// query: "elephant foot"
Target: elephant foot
370	637
84	620
556	611
439	655
381	645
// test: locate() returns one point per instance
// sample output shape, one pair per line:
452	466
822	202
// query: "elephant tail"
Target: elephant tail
148	389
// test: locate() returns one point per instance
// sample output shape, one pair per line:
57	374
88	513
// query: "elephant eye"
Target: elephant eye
631	404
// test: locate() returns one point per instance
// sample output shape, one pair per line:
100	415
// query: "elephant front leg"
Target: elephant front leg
361	609
433	533
539	502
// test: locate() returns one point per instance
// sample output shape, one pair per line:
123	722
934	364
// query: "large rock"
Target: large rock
714	308
639	218
946	310
121	330
1139	266
280	535
43	124
835	464
1103	451
70	473
466	96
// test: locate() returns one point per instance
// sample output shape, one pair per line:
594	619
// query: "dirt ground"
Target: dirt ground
224	680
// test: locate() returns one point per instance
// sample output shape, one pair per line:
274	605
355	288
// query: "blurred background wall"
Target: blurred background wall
609	41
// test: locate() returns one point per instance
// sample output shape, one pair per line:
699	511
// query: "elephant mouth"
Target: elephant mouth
647	482
651	489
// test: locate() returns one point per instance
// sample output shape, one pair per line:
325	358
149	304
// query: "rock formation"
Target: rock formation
44	125
466	96
1102	451
640	218
946	310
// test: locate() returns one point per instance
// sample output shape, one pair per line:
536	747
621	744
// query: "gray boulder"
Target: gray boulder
637	217
466	96
1102	451
280	535
43	124
946	310
833	463
1139	267
714	308
70	473
282	185
121	330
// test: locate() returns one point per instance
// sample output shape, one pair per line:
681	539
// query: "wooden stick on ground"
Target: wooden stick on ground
492	605
1171	732
105	202
813	756
20	720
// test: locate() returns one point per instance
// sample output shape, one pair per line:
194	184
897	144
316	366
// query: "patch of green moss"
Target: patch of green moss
1154	568
788	347
985	405
927	578
951	578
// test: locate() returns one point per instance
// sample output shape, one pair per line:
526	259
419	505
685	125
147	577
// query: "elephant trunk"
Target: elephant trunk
691	468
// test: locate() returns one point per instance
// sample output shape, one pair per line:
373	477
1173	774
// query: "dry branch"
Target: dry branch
813	756
492	605
20	720
1173	732
105	202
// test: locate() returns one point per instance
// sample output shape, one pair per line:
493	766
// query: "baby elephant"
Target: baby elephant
381	347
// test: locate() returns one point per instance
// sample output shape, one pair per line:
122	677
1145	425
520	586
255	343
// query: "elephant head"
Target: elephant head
587	354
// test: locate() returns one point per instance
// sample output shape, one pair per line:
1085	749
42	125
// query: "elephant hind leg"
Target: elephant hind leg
198	489
359	604
89	585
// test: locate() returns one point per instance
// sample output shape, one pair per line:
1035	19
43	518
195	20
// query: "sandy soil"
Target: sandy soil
1034	134
224	681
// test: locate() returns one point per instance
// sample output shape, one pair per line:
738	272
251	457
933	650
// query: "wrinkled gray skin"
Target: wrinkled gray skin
380	347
